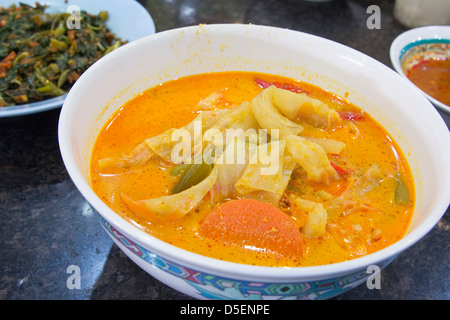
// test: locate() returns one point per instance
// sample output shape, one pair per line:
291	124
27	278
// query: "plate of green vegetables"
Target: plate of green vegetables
47	45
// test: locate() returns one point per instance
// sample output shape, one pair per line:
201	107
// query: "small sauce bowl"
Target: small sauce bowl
417	47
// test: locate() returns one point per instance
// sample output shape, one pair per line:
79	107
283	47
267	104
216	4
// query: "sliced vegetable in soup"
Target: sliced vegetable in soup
254	168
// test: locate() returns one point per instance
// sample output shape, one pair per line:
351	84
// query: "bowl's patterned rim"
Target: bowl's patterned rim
211	286
422	50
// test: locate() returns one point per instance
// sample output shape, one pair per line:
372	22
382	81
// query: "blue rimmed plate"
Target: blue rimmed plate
419	44
128	19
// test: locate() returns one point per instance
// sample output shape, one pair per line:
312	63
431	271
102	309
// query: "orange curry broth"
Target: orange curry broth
171	105
433	77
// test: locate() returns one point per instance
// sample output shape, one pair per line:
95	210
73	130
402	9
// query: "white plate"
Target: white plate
128	19
418	36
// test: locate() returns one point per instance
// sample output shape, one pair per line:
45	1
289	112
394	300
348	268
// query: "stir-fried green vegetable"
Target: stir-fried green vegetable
40	57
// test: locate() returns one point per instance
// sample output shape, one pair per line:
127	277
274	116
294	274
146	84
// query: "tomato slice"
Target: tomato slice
287	86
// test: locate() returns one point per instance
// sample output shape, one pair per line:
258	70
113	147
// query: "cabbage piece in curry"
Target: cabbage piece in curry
254	168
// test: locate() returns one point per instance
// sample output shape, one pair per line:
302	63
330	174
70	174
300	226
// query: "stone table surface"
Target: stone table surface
46	225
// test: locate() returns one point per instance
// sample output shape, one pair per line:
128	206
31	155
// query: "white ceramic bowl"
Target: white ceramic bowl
415	45
120	76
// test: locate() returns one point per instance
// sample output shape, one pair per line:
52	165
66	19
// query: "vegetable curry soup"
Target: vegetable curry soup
256	169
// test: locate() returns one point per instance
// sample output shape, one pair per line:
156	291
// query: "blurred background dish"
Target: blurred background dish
127	20
419	13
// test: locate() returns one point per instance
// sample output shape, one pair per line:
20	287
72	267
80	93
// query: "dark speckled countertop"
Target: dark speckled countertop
46	225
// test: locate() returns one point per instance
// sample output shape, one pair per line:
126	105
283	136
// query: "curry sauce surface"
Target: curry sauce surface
171	105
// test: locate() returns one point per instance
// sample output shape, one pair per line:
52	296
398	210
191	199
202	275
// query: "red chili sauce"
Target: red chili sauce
433	77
